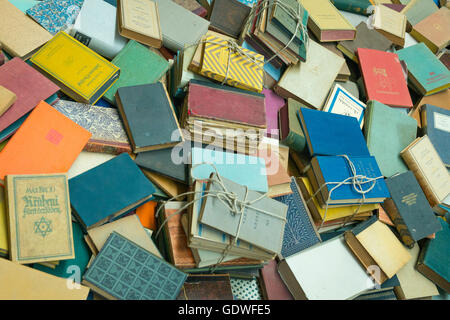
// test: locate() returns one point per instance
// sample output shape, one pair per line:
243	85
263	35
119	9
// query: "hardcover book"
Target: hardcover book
390	23
354	6
345	73
383	77
206	287
86	78
417	10
146	277
139	20
228	16
436	125
273	104
7	98
138	65
272	286
86	161
124	187
139	107
47	142
291	133
40	221
434	30
440	99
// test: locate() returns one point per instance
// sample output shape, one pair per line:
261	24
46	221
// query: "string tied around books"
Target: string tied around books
357	181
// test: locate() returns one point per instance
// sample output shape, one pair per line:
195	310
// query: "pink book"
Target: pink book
273	103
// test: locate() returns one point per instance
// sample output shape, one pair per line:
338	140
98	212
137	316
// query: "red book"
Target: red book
383	77
272	284
29	85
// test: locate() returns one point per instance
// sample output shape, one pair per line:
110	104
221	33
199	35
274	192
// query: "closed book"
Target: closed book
434	260
383	77
4	234
315	76
47	142
300	232
232	22
124	187
55	15
25	283
86	79
193	6
436	125
206	287
86	161
39	217
390	23
138	66
345	73
388	131
343	134
365	38
434	30
354	6
423	160
96	28
108	133
139	20
411	210
146	276
417	10
21	36
28	85
440	99
7	98
291	133
273	104
273	287
428	75
139	107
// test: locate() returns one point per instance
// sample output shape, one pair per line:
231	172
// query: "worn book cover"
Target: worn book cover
39	218
146	276
273	104
4	234
272	286
436	125
440	99
206	287
47	142
291	133
417	10
390	24
7	98
228	16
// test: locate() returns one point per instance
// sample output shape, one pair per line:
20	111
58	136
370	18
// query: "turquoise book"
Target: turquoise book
138	65
388	131
426	72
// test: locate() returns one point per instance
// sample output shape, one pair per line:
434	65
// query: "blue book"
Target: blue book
300	232
329	134
109	190
436	124
335	169
275	73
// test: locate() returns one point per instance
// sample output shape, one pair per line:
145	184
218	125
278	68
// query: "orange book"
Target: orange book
146	214
47	142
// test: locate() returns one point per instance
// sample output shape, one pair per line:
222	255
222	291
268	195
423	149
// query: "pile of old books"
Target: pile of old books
224	149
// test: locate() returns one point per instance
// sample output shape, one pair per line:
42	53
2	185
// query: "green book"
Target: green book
291	133
354	6
138	65
388	131
418	10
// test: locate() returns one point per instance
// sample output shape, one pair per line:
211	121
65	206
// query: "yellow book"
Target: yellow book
390	24
80	72
3	225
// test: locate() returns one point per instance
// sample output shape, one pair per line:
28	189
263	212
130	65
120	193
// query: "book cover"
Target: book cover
29	86
412	208
273	104
47	142
383	77
353	6
343	134
390	23
272	286
124	270
138	65
206	287
7	98
80	72
4	234
124	187
440	99
39	218
139	107
436	125
417	10
291	133
228	16
388	131
193	6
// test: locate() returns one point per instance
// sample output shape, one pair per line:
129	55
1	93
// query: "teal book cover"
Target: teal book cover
388	131
138	65
427	72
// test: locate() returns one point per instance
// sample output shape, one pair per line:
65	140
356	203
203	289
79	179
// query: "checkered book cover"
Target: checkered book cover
126	271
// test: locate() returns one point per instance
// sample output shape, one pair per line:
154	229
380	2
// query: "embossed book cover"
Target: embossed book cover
40	220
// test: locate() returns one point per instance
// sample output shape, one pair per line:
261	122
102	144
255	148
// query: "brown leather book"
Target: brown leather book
229	16
206	287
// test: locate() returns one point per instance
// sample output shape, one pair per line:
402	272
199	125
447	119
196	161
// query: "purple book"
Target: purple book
273	104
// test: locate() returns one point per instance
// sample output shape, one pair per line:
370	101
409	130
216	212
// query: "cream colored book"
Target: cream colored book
423	160
390	23
139	20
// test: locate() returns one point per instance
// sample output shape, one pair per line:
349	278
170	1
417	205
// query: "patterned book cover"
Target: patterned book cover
125	271
55	15
300	232
245	289
108	133
40	220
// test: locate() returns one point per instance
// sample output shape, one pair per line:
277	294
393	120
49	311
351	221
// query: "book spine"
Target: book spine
295	141
353	6
400	225
94	146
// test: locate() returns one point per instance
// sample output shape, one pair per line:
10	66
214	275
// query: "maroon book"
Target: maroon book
272	284
395	6
29	86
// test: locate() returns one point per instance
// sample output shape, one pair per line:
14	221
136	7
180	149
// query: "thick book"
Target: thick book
272	286
29	86
86	78
228	16
108	133
410	211
417	10
440	99
383	77
388	131
354	6
149	117
343	134
139	20
7	99
390	23
291	133
21	36
424	161
47	142
436	125
124	187
24	283
40	219
206	287
147	277
138	65
427	74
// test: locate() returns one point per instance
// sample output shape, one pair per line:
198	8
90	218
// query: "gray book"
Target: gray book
257	227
